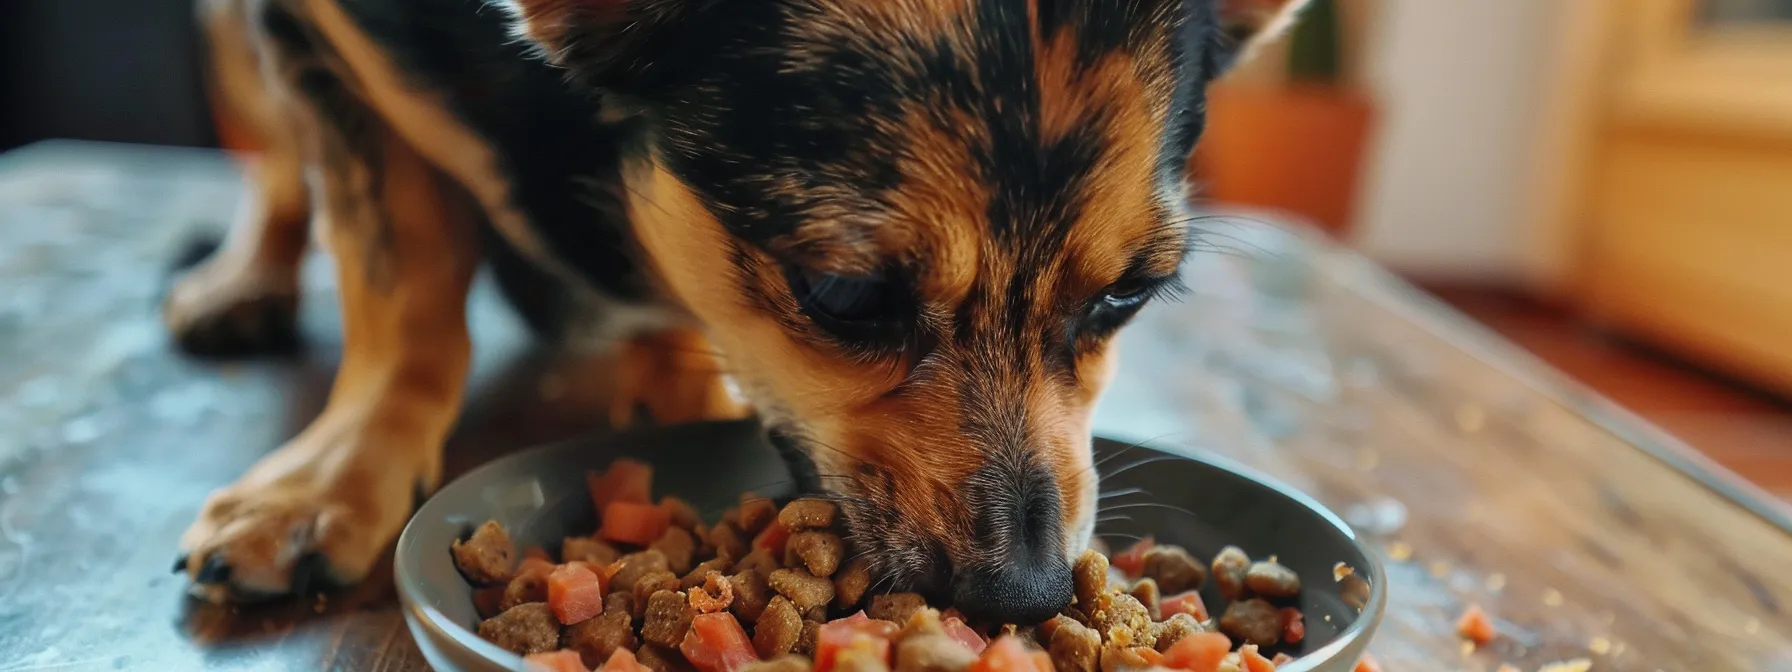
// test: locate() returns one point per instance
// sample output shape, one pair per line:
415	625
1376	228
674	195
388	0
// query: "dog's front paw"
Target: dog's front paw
318	512
230	307
669	378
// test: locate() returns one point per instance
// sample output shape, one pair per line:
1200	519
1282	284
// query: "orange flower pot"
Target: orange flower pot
1293	148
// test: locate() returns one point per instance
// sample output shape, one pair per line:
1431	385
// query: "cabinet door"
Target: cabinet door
1684	219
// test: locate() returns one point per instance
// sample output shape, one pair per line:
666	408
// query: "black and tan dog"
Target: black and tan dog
908	228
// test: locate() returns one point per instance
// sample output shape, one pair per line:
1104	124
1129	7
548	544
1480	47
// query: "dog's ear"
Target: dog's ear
1249	24
605	43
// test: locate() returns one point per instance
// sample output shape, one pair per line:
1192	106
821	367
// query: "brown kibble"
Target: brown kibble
635	566
805	643
1074	648
649	584
851	582
820	552
1272	580
488	601
808	514
755	513
1229	570
487	556
683	514
663	659
778	628
932	652
715	595
523	629
925	621
805	590
896	607
779	664
1124	620
727	539
761	561
1090	575
597	638
1145	591
667	618
1173	569
619	603
1252	621
1173	629
751	595
817	613
679	547
527	586
700	573
588	549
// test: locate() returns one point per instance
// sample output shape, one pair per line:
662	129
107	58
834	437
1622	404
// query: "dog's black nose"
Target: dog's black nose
1022	591
1020	573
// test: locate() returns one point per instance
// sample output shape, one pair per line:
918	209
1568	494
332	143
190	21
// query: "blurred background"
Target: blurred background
1606	182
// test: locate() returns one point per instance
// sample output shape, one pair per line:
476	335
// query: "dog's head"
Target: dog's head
912	227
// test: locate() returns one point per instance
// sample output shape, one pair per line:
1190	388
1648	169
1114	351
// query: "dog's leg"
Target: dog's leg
244	297
671	376
332	498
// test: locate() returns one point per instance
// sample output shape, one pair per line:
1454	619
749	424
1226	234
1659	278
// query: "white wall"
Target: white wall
1460	84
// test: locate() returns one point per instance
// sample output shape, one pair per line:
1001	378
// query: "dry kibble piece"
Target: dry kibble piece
683	514
523	629
777	630
1173	629
751	595
1074	648
932	652
895	607
700	573
587	549
1272	580
649	584
779	664
727	540
817	613
1090	575
596	638
530	585
716	593
679	547
851	582
820	552
1174	569
1229	569
755	513
805	590
1145	591
805	643
808	514
1252	621
761	561
487	556
1124	658
667	619
619	603
663	659
635	566
1124	620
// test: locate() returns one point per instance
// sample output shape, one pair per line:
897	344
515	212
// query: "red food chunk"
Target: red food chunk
857	631
1132	560
531	563
622	660
574	593
625	481
1253	660
1367	664
1294	625
1282	659
1007	654
963	634
772	539
487	601
634	522
1183	603
1474	626
1201	652
716	643
564	660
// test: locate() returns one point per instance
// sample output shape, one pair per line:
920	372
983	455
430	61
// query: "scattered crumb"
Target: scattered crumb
1399	551
1576	665
1552	597
1468	649
1600	646
1341	570
1496	583
1474	626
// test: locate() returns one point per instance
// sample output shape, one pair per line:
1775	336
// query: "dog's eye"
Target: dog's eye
1127	293
845	300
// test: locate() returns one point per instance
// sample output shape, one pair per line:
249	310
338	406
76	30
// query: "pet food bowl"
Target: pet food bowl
1201	503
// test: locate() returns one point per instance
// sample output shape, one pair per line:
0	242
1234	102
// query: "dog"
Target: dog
907	230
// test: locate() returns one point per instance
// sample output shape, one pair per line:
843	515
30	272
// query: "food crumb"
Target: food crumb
1466	649
1399	551
1474	626
1341	570
1599	646
1552	597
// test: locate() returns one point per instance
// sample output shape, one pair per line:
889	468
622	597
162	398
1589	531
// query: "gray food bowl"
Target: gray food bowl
1200	503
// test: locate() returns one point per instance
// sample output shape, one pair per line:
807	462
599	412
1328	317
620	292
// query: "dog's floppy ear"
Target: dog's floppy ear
1250	24
606	43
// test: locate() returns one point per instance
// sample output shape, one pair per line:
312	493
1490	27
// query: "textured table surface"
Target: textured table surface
1483	476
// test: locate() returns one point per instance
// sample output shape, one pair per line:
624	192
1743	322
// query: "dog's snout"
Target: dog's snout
1028	588
1022	574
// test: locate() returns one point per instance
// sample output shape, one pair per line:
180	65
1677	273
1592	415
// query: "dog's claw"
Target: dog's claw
180	563
215	570
310	571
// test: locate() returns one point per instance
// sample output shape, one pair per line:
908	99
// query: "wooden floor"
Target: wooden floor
1745	430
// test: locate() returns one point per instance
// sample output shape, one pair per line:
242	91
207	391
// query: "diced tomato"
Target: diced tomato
574	593
1184	603
1474	626
1294	625
564	660
1007	654
622	660
1149	655
772	539
1132	560
1253	660
486	601
1367	664
963	634
534	565
538	553
1282	659
1200	652
634	522
716	643
1042	661
856	632
625	481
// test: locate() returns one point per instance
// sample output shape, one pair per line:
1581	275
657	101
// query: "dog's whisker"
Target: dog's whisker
1123	492
1154	459
1145	505
1113	519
